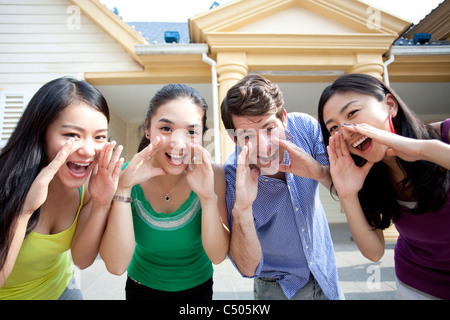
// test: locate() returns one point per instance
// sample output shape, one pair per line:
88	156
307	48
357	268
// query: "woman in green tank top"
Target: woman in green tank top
169	220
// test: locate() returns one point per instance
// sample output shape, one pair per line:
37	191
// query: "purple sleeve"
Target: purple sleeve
445	130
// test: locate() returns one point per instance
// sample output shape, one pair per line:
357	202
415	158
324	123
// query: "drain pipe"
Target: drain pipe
215	98
386	74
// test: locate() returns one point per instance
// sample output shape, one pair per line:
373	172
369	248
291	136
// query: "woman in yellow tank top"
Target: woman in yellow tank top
59	147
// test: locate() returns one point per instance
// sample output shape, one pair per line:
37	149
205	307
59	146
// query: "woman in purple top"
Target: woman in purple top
387	166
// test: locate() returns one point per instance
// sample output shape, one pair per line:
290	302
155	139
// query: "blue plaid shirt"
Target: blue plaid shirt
290	220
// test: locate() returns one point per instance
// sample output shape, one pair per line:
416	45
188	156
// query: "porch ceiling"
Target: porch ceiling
428	100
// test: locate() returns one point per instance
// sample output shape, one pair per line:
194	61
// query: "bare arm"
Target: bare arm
245	248
117	244
92	220
407	148
348	180
370	241
436	151
208	182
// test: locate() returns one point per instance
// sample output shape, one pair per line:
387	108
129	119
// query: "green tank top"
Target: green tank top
169	254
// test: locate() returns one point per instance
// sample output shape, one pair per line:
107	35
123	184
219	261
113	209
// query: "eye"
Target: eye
271	129
71	135
193	132
352	113
248	137
166	129
333	129
101	137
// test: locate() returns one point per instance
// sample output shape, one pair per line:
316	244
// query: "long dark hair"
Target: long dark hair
23	157
168	93
427	181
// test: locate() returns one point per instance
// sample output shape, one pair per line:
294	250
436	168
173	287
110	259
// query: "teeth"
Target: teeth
357	143
176	157
176	160
81	164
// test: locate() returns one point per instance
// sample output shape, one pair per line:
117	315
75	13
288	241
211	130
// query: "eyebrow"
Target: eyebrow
342	110
268	123
165	120
75	127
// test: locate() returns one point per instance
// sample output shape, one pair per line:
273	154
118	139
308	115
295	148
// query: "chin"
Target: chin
73	183
70	181
270	169
175	170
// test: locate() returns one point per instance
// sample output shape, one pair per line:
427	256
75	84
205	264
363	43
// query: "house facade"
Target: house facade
302	45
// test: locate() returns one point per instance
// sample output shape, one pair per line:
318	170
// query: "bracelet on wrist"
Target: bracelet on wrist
122	198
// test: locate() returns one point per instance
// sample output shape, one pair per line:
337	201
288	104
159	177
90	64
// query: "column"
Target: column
231	67
371	64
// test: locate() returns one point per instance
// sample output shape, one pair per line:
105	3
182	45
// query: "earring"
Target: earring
391	122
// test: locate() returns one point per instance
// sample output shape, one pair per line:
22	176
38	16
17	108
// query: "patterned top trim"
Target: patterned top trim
168	223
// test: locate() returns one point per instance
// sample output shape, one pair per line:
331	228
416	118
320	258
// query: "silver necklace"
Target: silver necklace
166	197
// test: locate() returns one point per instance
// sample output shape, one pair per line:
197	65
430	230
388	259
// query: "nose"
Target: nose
345	134
264	143
179	139
87	148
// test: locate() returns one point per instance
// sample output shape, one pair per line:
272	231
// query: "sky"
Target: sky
182	10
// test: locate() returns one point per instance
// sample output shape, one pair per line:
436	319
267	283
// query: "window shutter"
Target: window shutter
11	108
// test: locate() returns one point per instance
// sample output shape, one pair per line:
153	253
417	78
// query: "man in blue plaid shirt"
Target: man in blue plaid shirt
279	232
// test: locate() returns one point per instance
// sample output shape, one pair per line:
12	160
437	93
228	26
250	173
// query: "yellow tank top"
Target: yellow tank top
43	268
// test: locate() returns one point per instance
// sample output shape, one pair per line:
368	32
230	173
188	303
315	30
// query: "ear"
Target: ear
147	128
392	104
232	135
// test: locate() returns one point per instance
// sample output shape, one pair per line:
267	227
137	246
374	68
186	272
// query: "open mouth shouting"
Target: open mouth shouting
268	159
363	144
78	169
176	160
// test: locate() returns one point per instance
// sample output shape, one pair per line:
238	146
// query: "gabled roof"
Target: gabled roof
352	14
437	22
301	26
119	30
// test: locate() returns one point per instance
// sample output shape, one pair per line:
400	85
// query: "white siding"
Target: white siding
47	39
42	40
